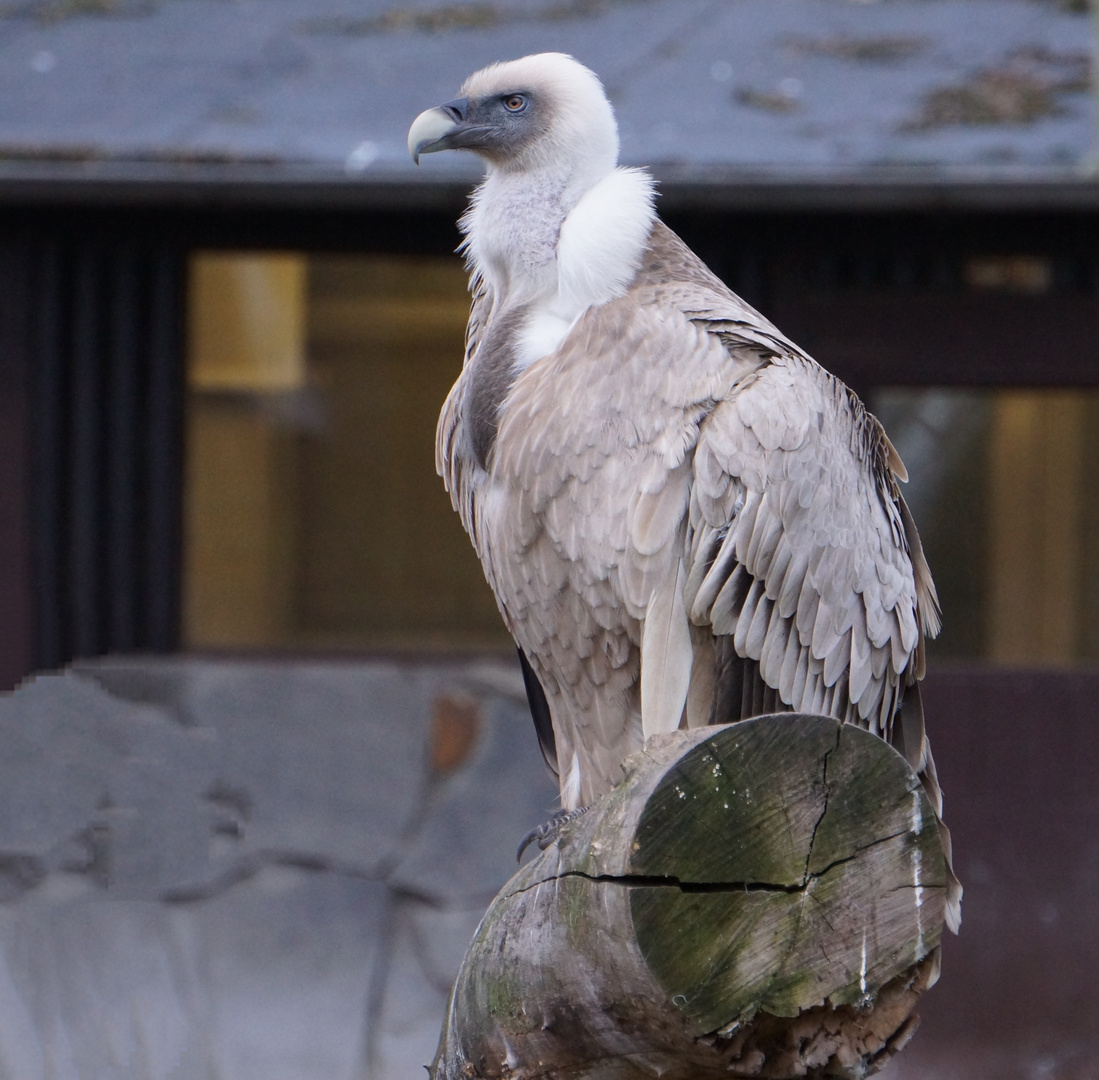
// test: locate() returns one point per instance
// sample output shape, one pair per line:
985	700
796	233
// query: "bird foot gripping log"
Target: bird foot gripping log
763	899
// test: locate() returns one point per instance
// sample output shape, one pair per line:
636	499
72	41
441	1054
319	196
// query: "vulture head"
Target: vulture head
541	112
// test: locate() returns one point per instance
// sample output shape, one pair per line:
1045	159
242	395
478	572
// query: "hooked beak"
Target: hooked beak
445	127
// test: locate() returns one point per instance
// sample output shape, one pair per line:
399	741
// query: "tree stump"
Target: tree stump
763	899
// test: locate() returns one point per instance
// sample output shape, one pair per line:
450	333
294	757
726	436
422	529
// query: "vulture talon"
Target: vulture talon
549	831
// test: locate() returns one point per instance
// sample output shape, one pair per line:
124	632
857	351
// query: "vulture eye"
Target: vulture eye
515	103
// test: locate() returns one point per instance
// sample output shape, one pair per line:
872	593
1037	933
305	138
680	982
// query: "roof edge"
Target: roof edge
266	185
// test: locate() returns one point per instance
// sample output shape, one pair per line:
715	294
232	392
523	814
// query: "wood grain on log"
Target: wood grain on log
760	899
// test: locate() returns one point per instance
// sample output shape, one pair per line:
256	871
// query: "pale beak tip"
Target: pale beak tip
427	132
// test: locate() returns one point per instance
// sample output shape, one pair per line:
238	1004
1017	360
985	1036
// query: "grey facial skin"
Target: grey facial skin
496	127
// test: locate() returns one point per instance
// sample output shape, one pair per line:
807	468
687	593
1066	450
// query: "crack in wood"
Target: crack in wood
824	782
672	882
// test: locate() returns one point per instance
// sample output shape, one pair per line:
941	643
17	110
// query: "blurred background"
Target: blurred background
250	830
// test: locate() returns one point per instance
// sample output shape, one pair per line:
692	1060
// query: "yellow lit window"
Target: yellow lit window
1005	491
313	517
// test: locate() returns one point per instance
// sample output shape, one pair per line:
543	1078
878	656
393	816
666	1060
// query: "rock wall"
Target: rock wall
215	870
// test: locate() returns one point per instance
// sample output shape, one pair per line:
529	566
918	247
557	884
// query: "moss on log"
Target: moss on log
761	899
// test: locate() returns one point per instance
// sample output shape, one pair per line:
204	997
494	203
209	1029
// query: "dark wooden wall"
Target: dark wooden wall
888	300
91	373
17	652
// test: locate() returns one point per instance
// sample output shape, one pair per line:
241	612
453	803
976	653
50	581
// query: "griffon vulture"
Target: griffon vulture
685	519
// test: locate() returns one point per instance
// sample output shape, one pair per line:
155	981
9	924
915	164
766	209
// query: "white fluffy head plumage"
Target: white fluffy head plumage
571	119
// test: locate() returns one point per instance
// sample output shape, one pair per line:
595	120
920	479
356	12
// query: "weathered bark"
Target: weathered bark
761	899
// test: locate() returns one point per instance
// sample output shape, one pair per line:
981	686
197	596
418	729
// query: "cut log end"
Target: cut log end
764	899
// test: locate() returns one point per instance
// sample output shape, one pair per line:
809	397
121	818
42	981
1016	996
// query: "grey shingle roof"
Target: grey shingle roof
769	92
